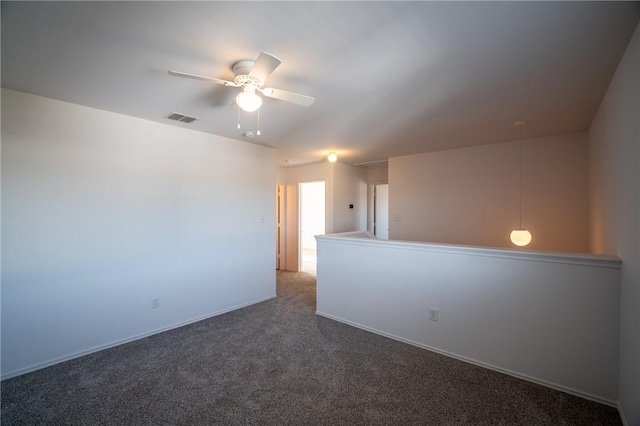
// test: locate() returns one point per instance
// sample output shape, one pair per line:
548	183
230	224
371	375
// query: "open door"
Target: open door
381	211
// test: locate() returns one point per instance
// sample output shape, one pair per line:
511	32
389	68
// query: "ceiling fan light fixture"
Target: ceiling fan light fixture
250	76
248	100
333	157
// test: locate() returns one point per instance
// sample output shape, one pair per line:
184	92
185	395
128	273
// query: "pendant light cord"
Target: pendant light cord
520	227
258	132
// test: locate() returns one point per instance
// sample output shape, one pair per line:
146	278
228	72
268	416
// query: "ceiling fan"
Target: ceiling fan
251	76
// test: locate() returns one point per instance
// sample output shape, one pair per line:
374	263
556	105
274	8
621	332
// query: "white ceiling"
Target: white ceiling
389	78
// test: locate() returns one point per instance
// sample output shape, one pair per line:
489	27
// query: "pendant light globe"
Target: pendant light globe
520	237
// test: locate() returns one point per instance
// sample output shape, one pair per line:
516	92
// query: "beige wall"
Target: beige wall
378	175
471	195
350	188
614	178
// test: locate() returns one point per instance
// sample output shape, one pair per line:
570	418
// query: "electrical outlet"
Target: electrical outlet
155	303
433	314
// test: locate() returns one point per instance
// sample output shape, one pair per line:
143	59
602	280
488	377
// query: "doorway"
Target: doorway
279	224
312	223
381	211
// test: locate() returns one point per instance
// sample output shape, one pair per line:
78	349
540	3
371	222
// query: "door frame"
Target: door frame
280	226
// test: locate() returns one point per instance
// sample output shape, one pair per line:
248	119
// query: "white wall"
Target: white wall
614	181
471	195
281	175
544	317
103	212
344	185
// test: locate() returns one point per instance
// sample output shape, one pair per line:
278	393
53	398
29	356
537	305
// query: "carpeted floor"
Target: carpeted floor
277	363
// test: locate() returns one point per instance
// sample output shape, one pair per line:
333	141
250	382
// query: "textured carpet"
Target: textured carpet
277	363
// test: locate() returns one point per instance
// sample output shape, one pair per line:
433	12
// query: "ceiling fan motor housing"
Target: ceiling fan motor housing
241	70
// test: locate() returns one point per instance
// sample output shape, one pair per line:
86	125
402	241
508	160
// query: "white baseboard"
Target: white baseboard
622	416
480	363
99	348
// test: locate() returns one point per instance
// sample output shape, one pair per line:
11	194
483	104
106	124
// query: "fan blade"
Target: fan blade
264	66
283	95
201	77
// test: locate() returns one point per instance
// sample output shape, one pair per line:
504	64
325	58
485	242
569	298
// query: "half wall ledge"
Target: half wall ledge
367	238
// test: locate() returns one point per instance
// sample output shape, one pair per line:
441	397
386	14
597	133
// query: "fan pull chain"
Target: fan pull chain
239	127
258	132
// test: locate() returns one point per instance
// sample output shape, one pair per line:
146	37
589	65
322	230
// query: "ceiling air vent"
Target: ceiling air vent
181	117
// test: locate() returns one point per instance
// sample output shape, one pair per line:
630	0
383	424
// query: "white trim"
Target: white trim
595	260
376	164
532	379
127	340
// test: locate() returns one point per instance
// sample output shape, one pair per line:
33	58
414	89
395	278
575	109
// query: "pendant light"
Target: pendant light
520	236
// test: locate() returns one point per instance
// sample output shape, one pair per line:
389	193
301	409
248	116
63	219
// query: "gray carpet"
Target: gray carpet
277	363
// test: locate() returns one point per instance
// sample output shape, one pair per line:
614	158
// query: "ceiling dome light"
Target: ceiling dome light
520	237
332	157
248	100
